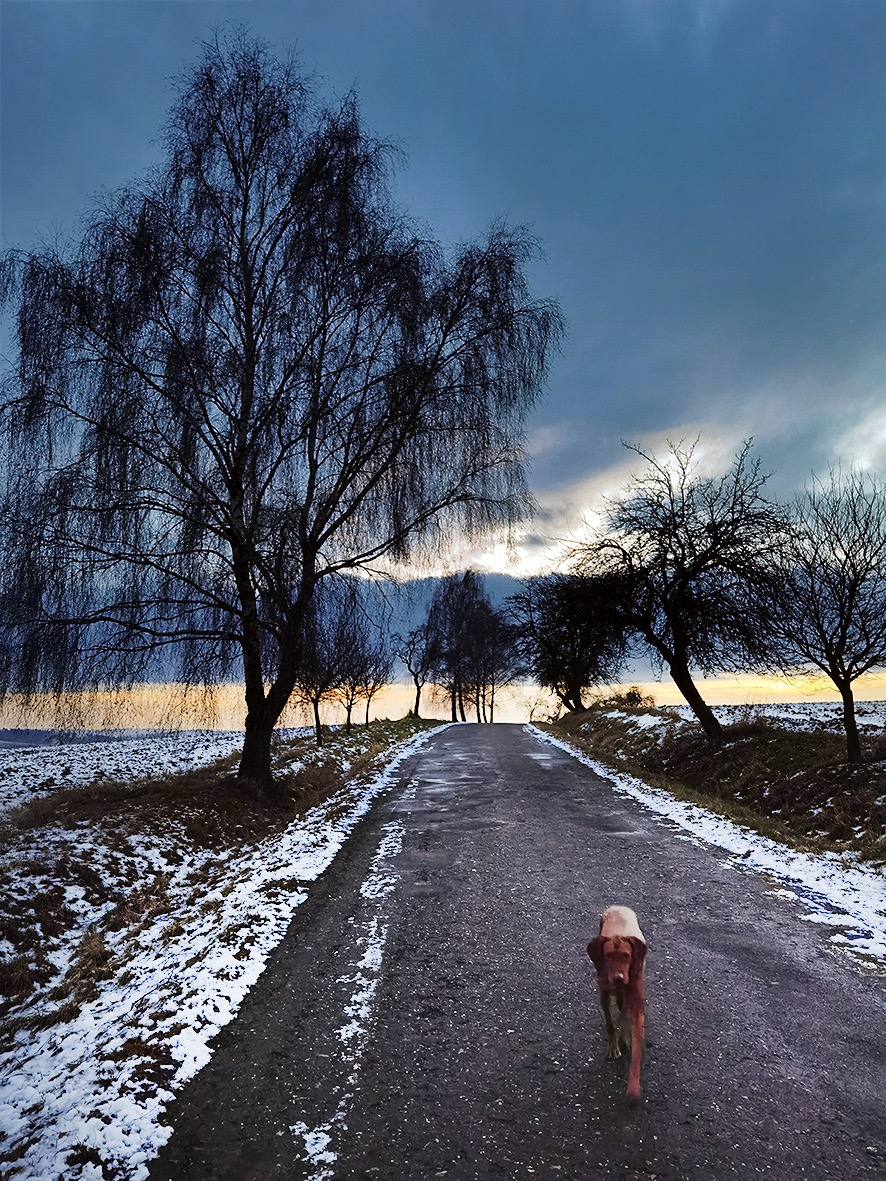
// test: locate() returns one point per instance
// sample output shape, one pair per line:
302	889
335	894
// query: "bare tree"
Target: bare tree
686	557
366	664
493	659
571	634
829	615
352	640
248	376
473	648
417	649
324	650
450	617
378	669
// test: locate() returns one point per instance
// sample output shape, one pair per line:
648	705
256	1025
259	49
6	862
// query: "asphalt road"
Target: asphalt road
431	1011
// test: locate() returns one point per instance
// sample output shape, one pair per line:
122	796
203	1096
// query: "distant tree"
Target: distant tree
828	614
324	650
450	618
687	557
353	639
378	669
472	646
570	633
417	649
493	658
249	375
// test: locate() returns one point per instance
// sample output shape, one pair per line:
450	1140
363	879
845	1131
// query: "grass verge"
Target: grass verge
792	786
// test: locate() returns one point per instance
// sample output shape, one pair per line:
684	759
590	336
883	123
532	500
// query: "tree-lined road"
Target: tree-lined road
476	1051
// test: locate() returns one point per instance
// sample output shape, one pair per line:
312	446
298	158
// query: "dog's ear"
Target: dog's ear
595	951
638	955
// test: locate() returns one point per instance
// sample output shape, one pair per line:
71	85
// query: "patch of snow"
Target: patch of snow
318	1142
800	715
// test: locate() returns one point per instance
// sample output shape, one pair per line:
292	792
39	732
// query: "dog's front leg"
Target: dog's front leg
625	1031
612	1047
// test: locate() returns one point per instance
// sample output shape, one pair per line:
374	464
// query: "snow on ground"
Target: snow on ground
836	889
28	772
317	1146
83	1099
811	716
642	721
801	715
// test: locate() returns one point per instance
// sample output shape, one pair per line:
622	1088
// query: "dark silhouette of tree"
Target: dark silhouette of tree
687	557
473	648
492	658
417	649
829	612
250	375
358	636
571	634
324	649
378	669
449	618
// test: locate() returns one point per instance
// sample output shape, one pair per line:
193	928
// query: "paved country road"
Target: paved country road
431	1012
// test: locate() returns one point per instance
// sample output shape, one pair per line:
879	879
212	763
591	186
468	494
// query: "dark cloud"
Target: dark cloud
706	179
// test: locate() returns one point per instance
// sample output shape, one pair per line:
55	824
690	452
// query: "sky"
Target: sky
706	178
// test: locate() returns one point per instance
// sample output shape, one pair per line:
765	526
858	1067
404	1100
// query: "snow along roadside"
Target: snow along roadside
319	1144
75	1099
836	888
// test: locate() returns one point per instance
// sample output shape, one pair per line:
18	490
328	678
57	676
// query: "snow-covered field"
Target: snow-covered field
803	715
808	716
83	1098
29	772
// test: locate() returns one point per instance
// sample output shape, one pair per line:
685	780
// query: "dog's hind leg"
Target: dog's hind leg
638	1029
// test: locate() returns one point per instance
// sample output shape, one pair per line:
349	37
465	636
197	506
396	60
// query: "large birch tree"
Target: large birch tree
250	373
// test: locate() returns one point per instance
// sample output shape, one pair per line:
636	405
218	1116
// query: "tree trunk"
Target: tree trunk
318	728
263	710
368	703
683	680
255	761
348	707
415	708
850	724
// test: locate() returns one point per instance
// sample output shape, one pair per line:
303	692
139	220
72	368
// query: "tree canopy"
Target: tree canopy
571	633
828	610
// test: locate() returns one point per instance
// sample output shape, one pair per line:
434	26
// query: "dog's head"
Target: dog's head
618	959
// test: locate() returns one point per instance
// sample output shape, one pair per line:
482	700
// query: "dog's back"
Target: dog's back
620	920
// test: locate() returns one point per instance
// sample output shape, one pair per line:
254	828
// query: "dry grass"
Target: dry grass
91	962
790	785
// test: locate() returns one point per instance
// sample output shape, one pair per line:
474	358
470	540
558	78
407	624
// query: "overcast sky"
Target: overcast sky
707	179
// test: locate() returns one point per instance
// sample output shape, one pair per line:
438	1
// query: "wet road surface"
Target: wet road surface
431	1011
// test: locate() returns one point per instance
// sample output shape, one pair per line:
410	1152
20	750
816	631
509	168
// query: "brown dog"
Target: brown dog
618	953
